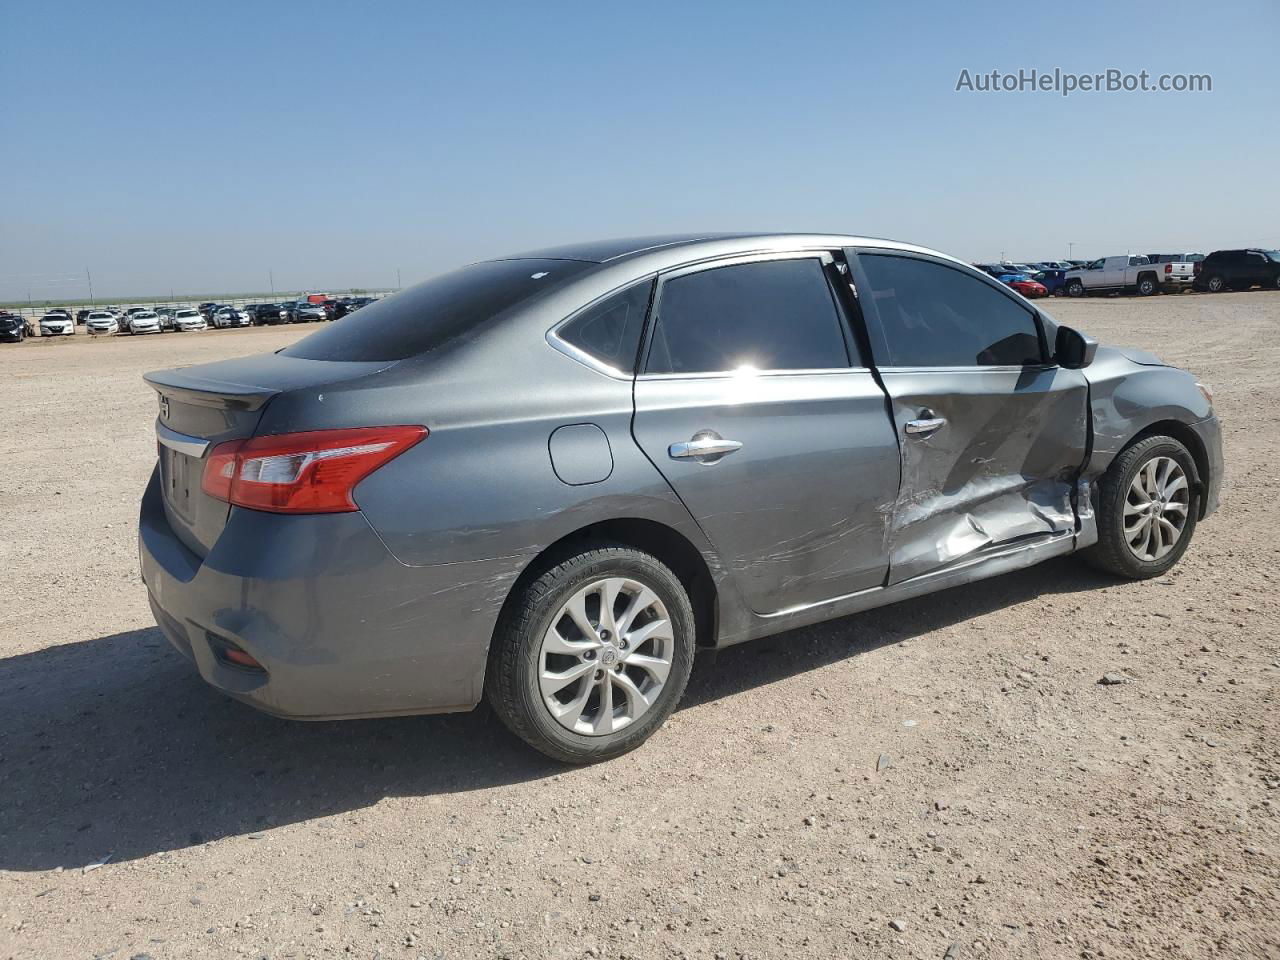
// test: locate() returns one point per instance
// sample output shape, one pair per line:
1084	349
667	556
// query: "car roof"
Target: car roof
692	246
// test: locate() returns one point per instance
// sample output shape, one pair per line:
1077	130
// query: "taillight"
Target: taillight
1168	268
1196	268
312	472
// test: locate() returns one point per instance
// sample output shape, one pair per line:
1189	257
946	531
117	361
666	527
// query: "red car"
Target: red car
1029	288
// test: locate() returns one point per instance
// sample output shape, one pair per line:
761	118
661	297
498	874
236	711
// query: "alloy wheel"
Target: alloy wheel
1156	508
606	656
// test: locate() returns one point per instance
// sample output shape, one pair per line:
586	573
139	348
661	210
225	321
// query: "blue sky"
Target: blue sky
169	146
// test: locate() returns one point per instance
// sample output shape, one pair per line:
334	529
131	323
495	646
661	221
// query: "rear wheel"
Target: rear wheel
1146	509
593	655
1216	284
1075	288
1147	285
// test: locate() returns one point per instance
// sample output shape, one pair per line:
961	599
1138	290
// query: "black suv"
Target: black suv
1238	270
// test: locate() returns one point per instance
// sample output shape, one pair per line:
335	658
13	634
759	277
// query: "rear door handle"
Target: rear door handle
702	447
924	427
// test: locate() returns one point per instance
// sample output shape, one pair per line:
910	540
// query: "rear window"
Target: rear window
427	315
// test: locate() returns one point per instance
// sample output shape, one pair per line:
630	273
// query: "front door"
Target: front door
992	435
756	406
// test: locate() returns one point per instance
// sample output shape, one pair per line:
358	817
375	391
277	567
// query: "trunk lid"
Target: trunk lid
209	404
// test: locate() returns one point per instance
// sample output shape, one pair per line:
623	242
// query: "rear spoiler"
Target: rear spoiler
208	393
247	383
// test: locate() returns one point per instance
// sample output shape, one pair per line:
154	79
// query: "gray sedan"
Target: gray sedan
547	479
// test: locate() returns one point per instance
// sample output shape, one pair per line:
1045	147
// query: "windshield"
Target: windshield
429	314
188	313
1273	255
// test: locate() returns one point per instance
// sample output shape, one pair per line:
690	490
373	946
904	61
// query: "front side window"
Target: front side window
610	330
933	315
770	315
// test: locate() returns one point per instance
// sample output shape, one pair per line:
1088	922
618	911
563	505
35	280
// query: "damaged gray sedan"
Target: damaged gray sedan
545	480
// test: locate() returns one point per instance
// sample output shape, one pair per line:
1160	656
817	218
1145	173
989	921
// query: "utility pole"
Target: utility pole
397	278
90	279
1071	249
271	277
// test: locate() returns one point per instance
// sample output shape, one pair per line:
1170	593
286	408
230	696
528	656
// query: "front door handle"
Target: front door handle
925	426
703	446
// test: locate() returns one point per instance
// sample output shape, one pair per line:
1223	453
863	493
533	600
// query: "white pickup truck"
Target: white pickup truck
1128	273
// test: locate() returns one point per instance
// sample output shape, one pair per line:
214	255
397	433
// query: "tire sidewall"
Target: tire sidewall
1116	494
550	736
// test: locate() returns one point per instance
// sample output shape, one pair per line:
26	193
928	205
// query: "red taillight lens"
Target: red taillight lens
1168	268
313	472
1196	269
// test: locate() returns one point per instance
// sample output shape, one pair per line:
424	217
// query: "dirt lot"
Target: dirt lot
1026	810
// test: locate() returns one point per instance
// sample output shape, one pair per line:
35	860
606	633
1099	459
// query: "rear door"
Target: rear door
992	434
757	405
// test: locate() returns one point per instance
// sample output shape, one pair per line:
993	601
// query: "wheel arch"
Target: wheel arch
663	542
1188	438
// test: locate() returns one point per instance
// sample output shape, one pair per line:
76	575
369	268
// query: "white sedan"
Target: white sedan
144	322
57	325
189	319
100	321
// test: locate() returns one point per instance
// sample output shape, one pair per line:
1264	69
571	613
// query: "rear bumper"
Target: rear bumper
1210	434
341	627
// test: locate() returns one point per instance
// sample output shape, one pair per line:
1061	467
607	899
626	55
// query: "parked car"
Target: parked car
267	313
334	309
1175	257
1031	289
355	303
1063	265
145	321
187	319
206	309
12	328
301	311
1238	270
1113	274
101	322
225	317
57	323
166	318
550	478
81	317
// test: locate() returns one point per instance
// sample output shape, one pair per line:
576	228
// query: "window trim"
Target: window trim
875	325
587	359
825	257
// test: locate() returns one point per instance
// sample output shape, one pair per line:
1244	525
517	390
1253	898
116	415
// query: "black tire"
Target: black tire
1075	288
1215	284
1147	286
511	683
1111	553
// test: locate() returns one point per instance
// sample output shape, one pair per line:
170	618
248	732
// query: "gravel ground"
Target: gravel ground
941	778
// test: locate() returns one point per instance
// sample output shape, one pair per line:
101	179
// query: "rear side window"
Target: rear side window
933	315
610	330
430	314
772	315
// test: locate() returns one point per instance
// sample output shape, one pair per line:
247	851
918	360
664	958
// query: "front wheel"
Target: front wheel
1146	509
593	655
1075	289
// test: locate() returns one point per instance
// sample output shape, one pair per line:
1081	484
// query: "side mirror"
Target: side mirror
1074	349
